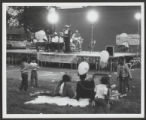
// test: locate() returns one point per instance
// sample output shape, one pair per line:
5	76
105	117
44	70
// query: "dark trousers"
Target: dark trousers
123	84
24	82
67	44
34	78
99	102
42	45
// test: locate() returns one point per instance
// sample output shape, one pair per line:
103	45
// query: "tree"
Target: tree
31	18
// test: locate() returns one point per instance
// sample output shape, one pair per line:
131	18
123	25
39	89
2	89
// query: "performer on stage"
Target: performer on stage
54	42
61	42
41	39
77	40
67	34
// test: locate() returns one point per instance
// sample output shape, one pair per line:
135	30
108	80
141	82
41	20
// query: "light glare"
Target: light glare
53	17
92	16
138	16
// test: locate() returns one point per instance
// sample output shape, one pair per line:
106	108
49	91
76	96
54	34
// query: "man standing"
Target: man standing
66	36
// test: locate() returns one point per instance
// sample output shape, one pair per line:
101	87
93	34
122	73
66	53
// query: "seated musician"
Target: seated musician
41	39
55	38
55	41
41	43
77	40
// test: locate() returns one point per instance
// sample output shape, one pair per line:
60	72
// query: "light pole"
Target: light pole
92	17
138	17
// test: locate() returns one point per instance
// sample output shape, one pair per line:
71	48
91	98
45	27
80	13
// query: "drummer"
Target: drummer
55	38
61	40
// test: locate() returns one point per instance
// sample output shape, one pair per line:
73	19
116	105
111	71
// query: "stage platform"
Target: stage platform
60	57
82	53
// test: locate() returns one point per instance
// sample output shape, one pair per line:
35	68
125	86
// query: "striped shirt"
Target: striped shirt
123	71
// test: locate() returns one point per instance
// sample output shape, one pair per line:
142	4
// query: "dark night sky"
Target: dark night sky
112	21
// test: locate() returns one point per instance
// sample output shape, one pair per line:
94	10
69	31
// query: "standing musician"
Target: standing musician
61	41
66	36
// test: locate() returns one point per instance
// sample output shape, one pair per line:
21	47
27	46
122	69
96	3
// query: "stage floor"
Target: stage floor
82	53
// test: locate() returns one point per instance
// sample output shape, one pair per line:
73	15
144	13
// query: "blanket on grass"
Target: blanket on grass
60	101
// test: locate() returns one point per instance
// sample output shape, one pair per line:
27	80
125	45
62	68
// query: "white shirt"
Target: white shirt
101	90
61	89
61	40
34	66
55	39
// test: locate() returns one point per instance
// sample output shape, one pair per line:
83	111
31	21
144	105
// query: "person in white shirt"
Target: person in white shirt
102	94
34	74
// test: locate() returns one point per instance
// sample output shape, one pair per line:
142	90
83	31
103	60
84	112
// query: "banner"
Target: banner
131	39
57	58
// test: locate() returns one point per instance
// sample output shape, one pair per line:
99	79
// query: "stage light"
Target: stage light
53	17
137	16
92	16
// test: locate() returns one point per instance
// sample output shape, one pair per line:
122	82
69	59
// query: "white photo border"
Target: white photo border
4	84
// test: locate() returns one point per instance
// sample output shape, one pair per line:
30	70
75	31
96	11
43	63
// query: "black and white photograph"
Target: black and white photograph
73	60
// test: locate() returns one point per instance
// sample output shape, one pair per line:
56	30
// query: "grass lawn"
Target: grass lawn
48	78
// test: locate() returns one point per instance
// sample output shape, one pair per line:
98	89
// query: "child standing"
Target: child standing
124	74
24	74
102	93
34	74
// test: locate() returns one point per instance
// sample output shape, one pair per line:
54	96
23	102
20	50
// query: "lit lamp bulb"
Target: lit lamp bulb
53	16
137	16
92	16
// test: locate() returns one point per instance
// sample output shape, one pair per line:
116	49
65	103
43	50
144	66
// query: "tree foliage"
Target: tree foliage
31	18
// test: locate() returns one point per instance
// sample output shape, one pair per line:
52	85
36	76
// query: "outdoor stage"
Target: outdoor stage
62	58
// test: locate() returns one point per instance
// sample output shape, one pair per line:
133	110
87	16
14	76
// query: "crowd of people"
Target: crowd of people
99	94
67	40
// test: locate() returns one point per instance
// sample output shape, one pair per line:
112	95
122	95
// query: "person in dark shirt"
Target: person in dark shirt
85	87
64	87
67	35
123	75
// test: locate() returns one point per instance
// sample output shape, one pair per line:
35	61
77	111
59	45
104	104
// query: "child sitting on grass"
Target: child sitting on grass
102	94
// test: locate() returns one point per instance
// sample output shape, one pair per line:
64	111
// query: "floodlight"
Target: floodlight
53	16
137	16
92	16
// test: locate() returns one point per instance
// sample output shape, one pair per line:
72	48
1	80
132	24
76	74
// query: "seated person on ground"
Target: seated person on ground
85	88
102	93
64	87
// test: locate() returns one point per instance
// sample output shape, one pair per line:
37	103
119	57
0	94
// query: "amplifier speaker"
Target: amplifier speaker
110	50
